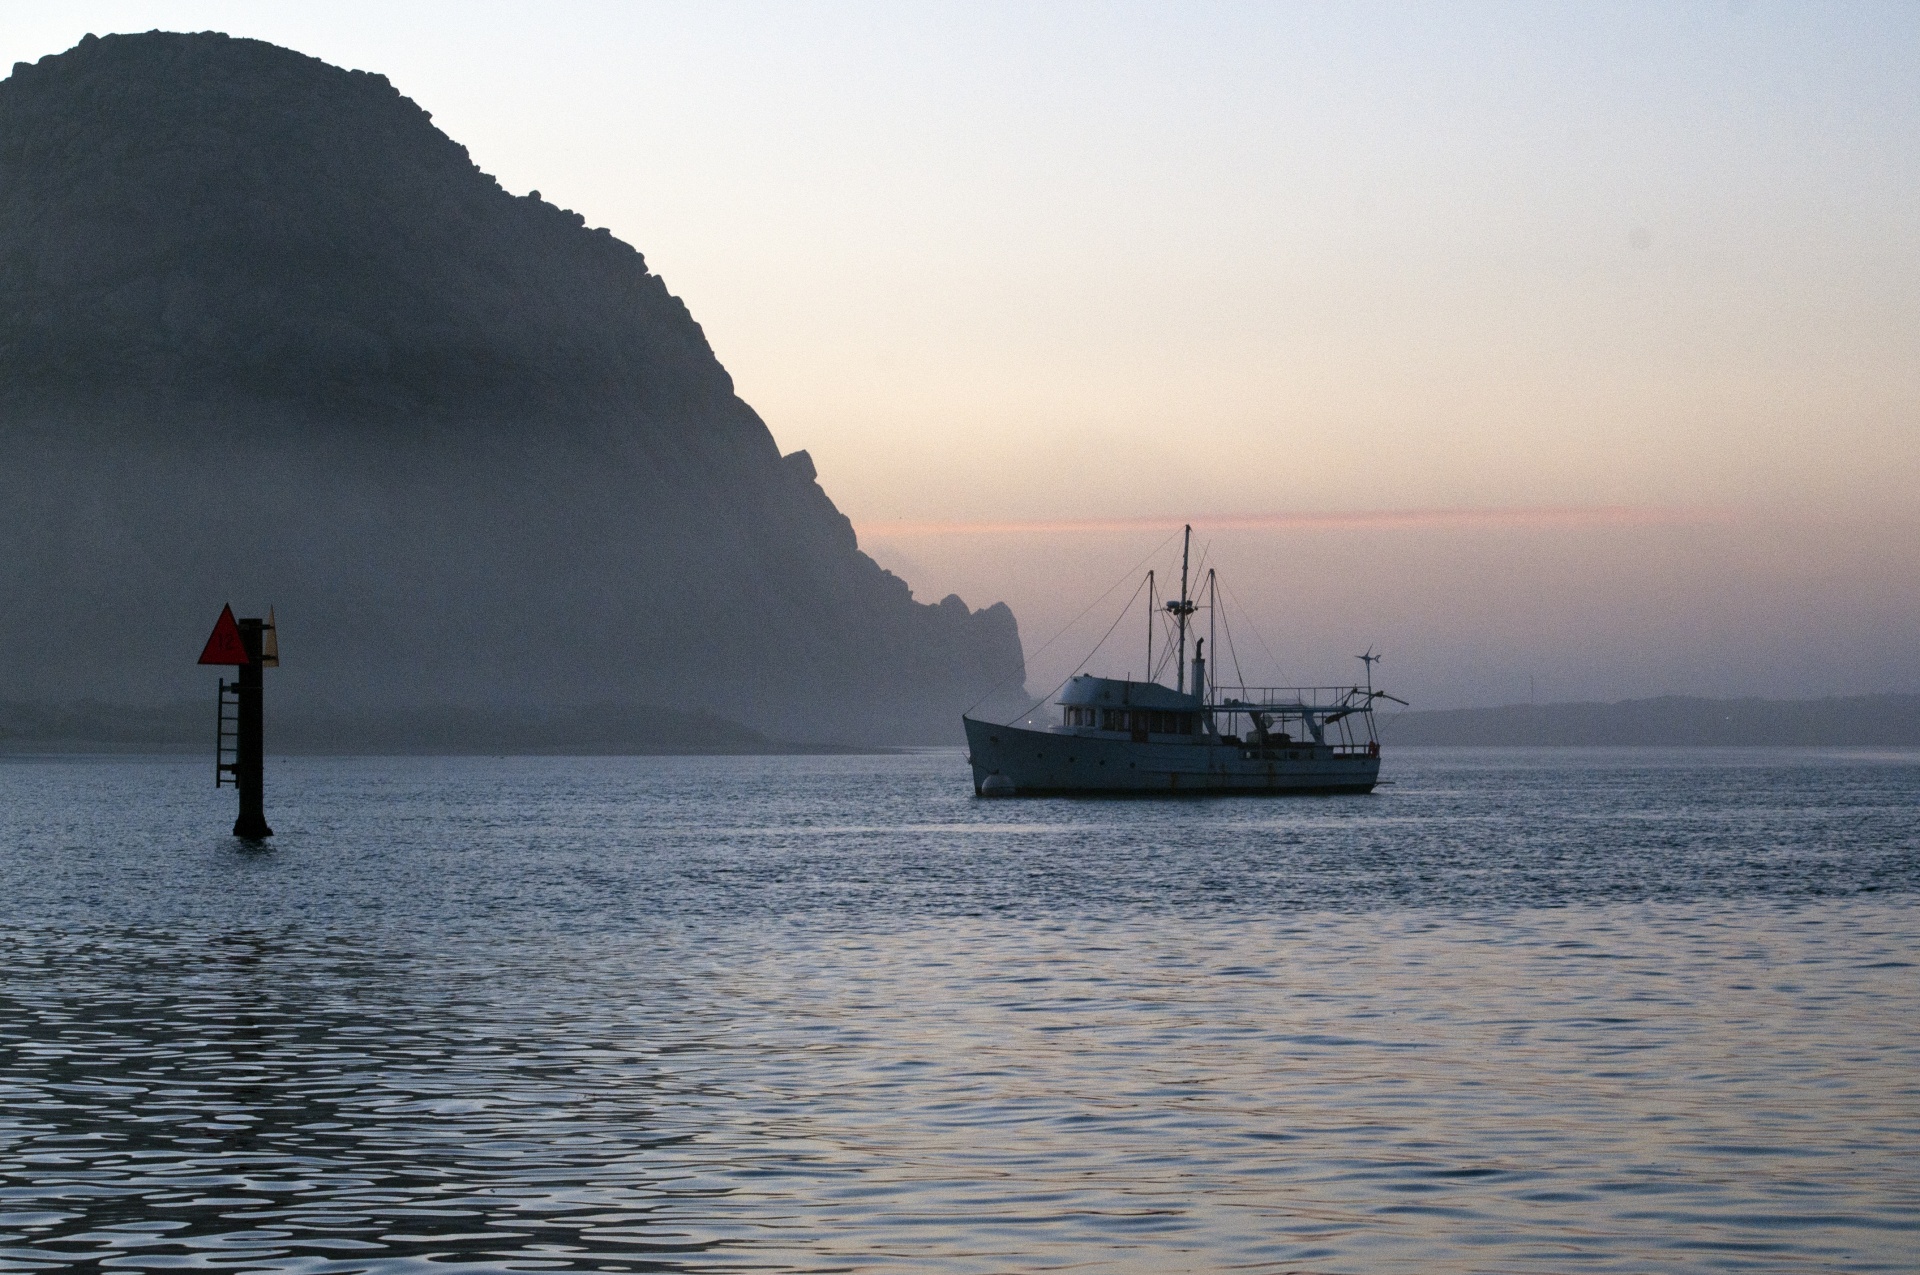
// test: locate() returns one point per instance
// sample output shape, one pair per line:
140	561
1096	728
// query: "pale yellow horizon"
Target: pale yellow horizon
1525	517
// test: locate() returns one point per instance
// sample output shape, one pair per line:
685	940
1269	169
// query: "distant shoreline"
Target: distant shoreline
186	728
1668	721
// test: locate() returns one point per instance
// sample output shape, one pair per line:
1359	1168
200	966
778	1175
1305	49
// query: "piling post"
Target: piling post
250	645
250	751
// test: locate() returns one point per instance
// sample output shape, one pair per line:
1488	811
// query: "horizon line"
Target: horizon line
1531	516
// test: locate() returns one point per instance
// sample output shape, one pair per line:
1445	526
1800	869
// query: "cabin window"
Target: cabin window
1077	716
1112	719
1156	723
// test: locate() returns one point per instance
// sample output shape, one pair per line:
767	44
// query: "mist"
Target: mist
988	267
268	337
1474	611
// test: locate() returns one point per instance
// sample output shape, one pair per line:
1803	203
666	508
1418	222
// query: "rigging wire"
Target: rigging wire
1212	634
1206	552
1166	648
1164	618
1226	624
1022	674
1278	672
1199	573
1083	663
1200	567
1168	627
1152	609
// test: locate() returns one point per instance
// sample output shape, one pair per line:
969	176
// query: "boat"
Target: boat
1197	737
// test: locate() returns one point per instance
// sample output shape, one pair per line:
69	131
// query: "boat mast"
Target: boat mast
1182	609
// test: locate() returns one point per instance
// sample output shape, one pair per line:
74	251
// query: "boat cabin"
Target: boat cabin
1116	704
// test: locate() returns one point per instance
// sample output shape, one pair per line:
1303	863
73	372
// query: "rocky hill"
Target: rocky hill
268	335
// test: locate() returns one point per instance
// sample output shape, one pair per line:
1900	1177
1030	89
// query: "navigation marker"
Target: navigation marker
225	645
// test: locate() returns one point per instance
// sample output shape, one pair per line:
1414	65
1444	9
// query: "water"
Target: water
1520	1011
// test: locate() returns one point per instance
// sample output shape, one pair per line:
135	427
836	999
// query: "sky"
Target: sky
1564	351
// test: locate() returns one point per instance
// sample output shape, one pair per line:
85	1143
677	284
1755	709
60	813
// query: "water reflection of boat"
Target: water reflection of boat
1122	736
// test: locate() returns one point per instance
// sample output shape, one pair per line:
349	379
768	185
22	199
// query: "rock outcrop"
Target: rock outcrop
267	334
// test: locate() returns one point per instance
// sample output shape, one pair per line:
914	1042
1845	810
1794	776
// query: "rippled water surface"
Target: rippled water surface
1519	1011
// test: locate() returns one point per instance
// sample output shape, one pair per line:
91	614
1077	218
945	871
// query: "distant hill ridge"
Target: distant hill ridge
268	336
1857	720
187	728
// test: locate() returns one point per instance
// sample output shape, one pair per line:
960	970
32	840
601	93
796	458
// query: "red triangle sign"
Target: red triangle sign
225	646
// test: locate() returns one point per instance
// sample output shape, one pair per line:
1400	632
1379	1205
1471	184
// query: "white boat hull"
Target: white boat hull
1046	762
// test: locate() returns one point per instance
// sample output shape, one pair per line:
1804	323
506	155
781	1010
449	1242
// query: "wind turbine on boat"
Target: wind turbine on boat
1370	659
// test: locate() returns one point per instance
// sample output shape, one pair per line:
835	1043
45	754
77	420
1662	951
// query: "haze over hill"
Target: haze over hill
268	335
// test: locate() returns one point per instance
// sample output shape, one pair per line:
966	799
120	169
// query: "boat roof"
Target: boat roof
1114	692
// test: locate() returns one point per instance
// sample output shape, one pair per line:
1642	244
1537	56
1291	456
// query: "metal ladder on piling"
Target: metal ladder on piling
226	748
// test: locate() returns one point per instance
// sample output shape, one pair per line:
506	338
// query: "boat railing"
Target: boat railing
1280	699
